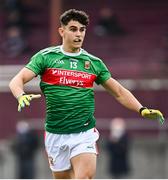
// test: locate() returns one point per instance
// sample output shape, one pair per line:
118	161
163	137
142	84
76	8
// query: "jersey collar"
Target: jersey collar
70	54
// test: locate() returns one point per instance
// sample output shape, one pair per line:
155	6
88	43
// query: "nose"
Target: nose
78	33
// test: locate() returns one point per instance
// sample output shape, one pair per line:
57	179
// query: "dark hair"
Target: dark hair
75	15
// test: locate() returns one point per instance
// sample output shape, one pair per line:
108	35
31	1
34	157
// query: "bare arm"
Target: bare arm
122	95
17	83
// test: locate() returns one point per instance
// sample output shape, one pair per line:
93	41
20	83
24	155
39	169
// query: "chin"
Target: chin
77	47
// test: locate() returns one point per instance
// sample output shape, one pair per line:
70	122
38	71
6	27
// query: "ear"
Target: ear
61	31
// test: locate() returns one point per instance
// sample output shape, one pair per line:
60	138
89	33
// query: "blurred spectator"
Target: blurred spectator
13	4
118	149
108	23
25	146
15	43
15	18
164	64
2	159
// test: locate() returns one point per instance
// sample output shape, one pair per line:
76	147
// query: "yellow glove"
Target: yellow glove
24	100
152	114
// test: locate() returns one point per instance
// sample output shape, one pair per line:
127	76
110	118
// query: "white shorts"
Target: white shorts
62	147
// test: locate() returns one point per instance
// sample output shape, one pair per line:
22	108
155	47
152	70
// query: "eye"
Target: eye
82	29
73	29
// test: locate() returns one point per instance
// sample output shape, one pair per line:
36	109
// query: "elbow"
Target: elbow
10	85
121	92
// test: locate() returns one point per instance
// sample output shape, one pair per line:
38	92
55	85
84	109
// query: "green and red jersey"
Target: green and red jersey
67	83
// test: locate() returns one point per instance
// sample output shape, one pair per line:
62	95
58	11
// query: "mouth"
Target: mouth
77	40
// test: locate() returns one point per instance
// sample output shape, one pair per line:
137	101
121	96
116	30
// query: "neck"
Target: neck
70	49
71	52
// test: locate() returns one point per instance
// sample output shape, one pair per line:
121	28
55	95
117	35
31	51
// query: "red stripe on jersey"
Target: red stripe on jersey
71	78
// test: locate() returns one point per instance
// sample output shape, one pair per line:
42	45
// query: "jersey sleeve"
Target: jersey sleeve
103	73
36	64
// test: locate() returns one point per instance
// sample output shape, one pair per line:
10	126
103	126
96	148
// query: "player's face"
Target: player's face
73	35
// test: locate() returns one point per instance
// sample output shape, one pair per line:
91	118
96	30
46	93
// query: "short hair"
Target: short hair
75	15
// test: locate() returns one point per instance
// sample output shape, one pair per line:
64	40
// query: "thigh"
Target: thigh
84	165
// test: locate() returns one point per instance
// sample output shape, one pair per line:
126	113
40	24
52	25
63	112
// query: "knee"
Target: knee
84	175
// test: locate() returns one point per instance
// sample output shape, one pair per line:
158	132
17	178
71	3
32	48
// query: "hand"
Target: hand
152	114
24	100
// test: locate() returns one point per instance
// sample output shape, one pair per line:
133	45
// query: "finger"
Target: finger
35	96
19	108
156	112
22	103
26	101
161	119
28	97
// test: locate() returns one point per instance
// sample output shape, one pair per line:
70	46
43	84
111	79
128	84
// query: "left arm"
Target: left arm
122	95
127	99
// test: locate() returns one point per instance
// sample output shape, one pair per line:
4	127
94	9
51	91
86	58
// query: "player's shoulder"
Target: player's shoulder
48	50
90	56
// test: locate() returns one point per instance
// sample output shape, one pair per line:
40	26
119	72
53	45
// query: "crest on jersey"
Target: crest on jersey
87	64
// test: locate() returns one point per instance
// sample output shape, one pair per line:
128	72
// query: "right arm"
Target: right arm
16	85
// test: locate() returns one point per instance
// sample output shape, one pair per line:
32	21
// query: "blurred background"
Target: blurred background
132	39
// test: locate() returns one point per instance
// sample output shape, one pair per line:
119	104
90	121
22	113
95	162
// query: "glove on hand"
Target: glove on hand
152	114
24	100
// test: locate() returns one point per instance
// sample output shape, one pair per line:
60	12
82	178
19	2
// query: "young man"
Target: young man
67	76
